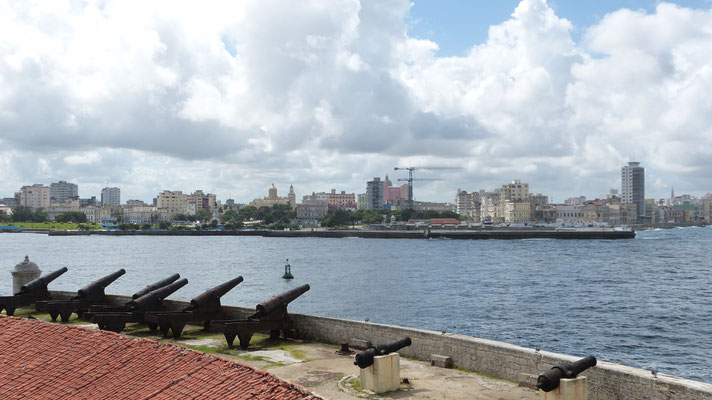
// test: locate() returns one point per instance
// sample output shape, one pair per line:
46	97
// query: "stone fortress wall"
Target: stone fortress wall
607	381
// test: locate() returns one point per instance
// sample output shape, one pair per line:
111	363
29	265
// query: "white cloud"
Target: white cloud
230	96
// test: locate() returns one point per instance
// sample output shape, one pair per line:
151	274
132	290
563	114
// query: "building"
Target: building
491	207
110	196
57	208
569	214
292	197
341	201
92	201
429	206
312	210
517	212
10	202
463	203
516	190
202	201
95	214
171	203
633	187
136	203
62	190
575	201
140	215
361	201
35	196
271	199
706	204
374	194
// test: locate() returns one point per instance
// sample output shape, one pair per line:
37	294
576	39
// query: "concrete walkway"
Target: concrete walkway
317	367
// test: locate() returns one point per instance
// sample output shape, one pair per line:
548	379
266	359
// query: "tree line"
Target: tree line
364	216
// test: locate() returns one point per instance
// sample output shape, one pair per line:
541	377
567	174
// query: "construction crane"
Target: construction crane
411	179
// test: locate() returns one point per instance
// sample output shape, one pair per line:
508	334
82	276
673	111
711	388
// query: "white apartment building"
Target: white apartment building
35	196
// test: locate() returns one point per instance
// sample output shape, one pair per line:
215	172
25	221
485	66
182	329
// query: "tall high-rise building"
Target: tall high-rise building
35	196
633	186
63	190
374	194
110	196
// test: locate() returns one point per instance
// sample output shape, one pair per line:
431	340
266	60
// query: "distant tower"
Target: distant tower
374	194
633	186
272	192
387	182
291	197
672	196
110	196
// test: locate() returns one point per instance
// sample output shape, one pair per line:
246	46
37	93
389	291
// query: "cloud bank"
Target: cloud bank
232	96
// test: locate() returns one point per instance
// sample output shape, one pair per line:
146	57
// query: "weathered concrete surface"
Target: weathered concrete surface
606	381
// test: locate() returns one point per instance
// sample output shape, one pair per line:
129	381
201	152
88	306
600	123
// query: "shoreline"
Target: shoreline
485	234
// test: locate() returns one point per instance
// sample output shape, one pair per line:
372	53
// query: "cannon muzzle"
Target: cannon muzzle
550	379
212	296
154	297
267	307
156	285
39	285
96	288
364	359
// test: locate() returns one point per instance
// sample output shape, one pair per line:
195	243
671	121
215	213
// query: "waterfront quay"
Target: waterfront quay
478	234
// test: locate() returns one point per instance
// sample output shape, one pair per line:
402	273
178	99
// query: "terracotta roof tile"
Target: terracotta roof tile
39	360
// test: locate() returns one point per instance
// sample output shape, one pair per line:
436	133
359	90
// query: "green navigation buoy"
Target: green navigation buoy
287	271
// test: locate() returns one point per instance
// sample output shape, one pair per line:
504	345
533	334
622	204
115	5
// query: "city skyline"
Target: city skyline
113	192
557	94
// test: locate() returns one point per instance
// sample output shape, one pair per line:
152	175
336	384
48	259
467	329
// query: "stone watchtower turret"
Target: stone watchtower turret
23	273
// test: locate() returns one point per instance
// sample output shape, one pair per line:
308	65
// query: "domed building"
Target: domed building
273	198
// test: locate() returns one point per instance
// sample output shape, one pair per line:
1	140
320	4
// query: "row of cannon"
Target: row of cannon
147	306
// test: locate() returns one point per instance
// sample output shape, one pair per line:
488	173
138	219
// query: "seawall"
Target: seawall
557	233
607	381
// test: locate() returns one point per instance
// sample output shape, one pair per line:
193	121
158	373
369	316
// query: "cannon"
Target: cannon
364	359
270	315
202	309
134	310
30	293
550	379
156	285
95	308
92	293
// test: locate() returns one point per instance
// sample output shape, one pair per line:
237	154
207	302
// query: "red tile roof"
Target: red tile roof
39	360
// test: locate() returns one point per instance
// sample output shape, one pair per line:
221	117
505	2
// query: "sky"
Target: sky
231	97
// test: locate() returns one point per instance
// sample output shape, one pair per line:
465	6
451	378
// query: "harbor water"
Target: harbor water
644	302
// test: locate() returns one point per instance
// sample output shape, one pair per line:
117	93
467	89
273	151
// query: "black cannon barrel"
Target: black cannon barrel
214	294
156	285
285	298
39	285
364	359
157	295
550	379
97	287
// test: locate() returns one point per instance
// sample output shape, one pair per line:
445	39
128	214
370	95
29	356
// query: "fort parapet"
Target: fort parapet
606	380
